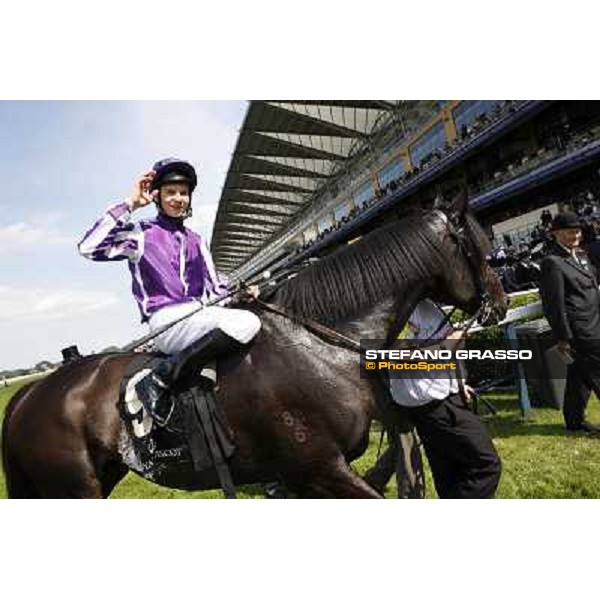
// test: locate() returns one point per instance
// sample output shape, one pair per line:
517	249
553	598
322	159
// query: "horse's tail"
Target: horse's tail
17	483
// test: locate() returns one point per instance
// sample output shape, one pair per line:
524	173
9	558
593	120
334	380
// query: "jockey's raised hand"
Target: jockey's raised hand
141	195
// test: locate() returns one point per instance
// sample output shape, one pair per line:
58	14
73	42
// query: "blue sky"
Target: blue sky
61	165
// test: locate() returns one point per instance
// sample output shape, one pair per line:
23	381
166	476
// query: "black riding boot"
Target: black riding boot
155	389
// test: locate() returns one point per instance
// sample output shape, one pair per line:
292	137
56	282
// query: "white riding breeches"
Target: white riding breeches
242	325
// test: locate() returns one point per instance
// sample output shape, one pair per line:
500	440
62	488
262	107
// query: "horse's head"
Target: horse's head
472	284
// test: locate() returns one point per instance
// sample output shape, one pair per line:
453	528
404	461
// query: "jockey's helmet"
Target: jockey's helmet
169	170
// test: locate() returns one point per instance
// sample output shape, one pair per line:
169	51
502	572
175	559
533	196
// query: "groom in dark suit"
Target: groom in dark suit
571	301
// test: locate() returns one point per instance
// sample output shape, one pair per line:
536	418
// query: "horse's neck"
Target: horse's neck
377	321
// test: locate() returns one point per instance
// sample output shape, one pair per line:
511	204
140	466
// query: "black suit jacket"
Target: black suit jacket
570	296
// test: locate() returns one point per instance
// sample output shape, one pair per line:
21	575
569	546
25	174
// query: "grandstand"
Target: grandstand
307	176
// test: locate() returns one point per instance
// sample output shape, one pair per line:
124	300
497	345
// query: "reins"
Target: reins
342	340
321	330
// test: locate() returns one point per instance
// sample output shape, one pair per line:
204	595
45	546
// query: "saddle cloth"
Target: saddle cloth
195	439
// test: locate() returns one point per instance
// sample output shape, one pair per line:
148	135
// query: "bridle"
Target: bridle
465	245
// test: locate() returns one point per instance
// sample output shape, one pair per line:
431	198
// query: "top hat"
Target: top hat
70	354
566	220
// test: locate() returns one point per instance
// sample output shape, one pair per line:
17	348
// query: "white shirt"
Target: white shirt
417	391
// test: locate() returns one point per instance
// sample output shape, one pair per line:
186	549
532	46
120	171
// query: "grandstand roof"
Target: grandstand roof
286	153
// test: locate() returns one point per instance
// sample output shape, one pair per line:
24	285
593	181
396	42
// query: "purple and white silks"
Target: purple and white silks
169	263
172	274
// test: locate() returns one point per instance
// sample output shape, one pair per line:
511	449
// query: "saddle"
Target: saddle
195	439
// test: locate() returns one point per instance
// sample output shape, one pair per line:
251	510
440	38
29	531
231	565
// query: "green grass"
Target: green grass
539	459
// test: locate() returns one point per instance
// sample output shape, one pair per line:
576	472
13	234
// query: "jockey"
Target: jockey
172	275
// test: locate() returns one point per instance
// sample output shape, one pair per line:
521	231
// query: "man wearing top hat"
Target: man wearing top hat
571	301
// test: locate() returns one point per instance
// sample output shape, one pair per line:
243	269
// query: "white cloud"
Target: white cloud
43	303
19	235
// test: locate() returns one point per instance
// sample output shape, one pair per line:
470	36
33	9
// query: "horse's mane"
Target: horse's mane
362	274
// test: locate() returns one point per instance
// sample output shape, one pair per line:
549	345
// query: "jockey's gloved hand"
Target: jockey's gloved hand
252	292
246	293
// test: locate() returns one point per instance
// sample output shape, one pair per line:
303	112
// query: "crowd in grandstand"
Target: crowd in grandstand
502	171
466	134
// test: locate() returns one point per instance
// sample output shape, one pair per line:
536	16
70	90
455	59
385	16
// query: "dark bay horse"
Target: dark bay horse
297	406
